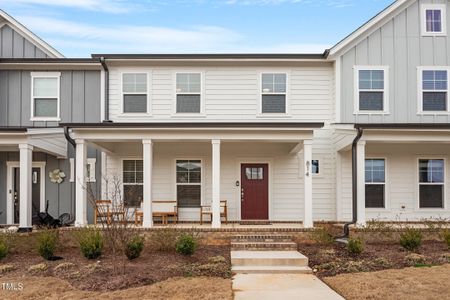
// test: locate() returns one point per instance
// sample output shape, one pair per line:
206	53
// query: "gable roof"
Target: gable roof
30	36
364	29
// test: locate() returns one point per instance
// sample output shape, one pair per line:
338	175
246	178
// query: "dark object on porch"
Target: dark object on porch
46	220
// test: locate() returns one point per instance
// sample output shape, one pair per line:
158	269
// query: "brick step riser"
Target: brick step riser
250	241
257	236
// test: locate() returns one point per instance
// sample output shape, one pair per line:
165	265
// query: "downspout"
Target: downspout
74	144
354	184
105	68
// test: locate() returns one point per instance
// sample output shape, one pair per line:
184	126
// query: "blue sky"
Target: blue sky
78	28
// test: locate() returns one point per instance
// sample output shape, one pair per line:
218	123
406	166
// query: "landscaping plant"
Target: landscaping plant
446	236
134	247
164	239
4	248
90	240
47	243
355	246
186	244
322	235
411	239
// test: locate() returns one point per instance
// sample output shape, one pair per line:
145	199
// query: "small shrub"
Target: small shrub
47	243
411	239
90	240
186	244
446	236
4	249
134	247
322	235
414	259
164	239
355	246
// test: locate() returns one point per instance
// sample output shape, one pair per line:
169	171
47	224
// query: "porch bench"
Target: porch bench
104	209
164	209
206	210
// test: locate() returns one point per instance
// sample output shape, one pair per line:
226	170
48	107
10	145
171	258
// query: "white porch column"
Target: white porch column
148	168
307	160
26	163
215	205
80	183
361	182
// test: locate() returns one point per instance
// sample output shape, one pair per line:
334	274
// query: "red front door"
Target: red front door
254	192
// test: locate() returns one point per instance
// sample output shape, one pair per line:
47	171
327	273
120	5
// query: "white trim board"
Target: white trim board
10	165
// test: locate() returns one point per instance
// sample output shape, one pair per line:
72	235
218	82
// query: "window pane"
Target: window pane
371	101
375	170
378	75
133	103
434	101
134	83
45	107
189	195
133	195
434	80
182	177
45	87
129	177
188	103
364	75
139	165
431	170
195	177
189	171
315	166
188	82
129	165
431	196
274	103
375	195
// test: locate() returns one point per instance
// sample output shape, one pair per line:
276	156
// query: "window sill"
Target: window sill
371	112
433	113
133	115
181	115
432	34
38	119
268	116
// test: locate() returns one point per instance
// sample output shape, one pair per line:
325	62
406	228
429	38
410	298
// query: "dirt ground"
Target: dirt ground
174	288
409	283
334	259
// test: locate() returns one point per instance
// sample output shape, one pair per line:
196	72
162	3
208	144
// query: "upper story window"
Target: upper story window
434	19
188	93
45	96
433	90
371	91
273	93
135	92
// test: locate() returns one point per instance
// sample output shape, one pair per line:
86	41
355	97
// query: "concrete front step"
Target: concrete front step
263	246
268	258
271	270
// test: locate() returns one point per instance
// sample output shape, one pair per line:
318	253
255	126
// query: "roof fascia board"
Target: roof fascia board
368	28
30	36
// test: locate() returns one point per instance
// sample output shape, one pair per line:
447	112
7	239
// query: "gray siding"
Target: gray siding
61	197
80	98
14	45
399	45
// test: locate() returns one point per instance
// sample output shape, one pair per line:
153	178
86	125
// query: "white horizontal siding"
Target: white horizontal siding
231	93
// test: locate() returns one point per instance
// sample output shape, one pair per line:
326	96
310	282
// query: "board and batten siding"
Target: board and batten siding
285	170
79	96
14	45
398	44
231	92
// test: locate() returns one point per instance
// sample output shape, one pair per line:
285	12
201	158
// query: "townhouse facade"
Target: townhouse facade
355	133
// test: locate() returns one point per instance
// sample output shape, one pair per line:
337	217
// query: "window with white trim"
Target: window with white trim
135	92
371	90
434	19
90	174
315	166
433	90
273	93
133	182
188	92
45	96
375	174
431	183
189	183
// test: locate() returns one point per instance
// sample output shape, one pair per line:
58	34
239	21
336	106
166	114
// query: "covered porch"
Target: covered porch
402	173
23	170
262	171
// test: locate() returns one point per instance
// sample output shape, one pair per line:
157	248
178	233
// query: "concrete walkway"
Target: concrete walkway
281	287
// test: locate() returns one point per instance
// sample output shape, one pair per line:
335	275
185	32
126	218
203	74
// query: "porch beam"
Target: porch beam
26	164
215	205
361	183
80	183
307	181
148	169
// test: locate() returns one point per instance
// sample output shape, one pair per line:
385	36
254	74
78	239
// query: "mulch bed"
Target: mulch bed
99	275
334	259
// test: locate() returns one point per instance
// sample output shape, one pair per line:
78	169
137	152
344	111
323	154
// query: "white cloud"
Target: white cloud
111	6
74	38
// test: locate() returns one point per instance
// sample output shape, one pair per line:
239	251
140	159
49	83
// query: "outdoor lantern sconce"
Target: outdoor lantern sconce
308	164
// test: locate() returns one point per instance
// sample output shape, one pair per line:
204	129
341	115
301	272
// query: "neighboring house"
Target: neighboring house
269	133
